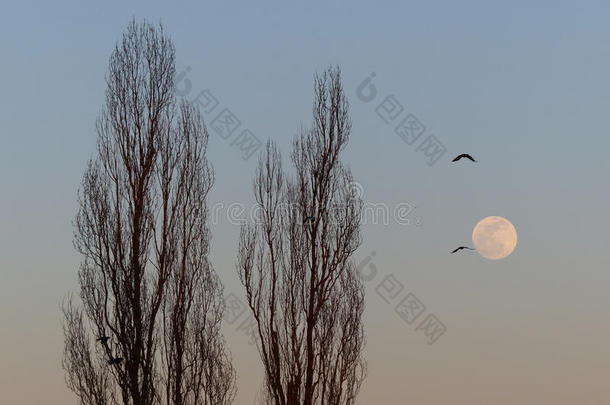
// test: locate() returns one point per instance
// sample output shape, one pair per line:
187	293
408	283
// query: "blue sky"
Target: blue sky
523	87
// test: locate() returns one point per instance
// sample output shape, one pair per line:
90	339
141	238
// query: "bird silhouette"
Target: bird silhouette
463	155
462	247
115	360
308	219
103	339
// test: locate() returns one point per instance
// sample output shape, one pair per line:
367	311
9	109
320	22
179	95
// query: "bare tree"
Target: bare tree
148	329
296	263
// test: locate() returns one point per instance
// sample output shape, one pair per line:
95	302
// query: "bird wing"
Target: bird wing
463	155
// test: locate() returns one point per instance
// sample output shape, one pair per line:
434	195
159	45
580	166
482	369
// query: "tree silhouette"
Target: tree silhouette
149	295
295	263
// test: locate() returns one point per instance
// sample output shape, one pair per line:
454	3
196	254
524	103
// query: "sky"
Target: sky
523	87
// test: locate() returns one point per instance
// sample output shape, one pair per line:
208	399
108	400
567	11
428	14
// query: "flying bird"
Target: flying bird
115	360
103	339
463	155
308	219
462	247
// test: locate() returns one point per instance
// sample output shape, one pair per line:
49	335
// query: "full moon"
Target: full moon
494	237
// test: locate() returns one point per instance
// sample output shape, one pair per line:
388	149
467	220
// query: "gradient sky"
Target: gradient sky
525	88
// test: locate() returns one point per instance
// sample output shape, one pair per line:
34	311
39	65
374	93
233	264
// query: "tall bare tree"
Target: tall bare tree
147	330
296	264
